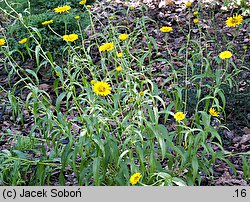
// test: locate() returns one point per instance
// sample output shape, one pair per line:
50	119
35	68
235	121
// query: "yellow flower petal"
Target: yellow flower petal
166	29
225	55
134	179
234	21
106	47
83	2
119	68
23	41
2	42
70	38
213	112
102	88
62	9
47	22
123	37
179	116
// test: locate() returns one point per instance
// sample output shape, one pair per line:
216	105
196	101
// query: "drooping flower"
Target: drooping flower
106	47
70	37
119	55
83	2
102	88
196	20
47	22
188	4
134	179
2	42
62	9
166	29
77	17
23	41
213	112
119	68
234	21
196	13
179	116
225	55
123	37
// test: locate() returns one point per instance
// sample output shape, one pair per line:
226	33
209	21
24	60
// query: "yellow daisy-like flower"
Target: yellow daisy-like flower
47	22
134	179
119	55
123	37
2	42
196	13
132	8
131	100
225	55
213	112
62	9
179	116
77	17
23	41
106	47
234	21
166	29
102	88
119	68
83	2
188	4
196	20
141	93
70	37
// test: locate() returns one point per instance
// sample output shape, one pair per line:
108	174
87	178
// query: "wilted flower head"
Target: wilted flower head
77	17
244	47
